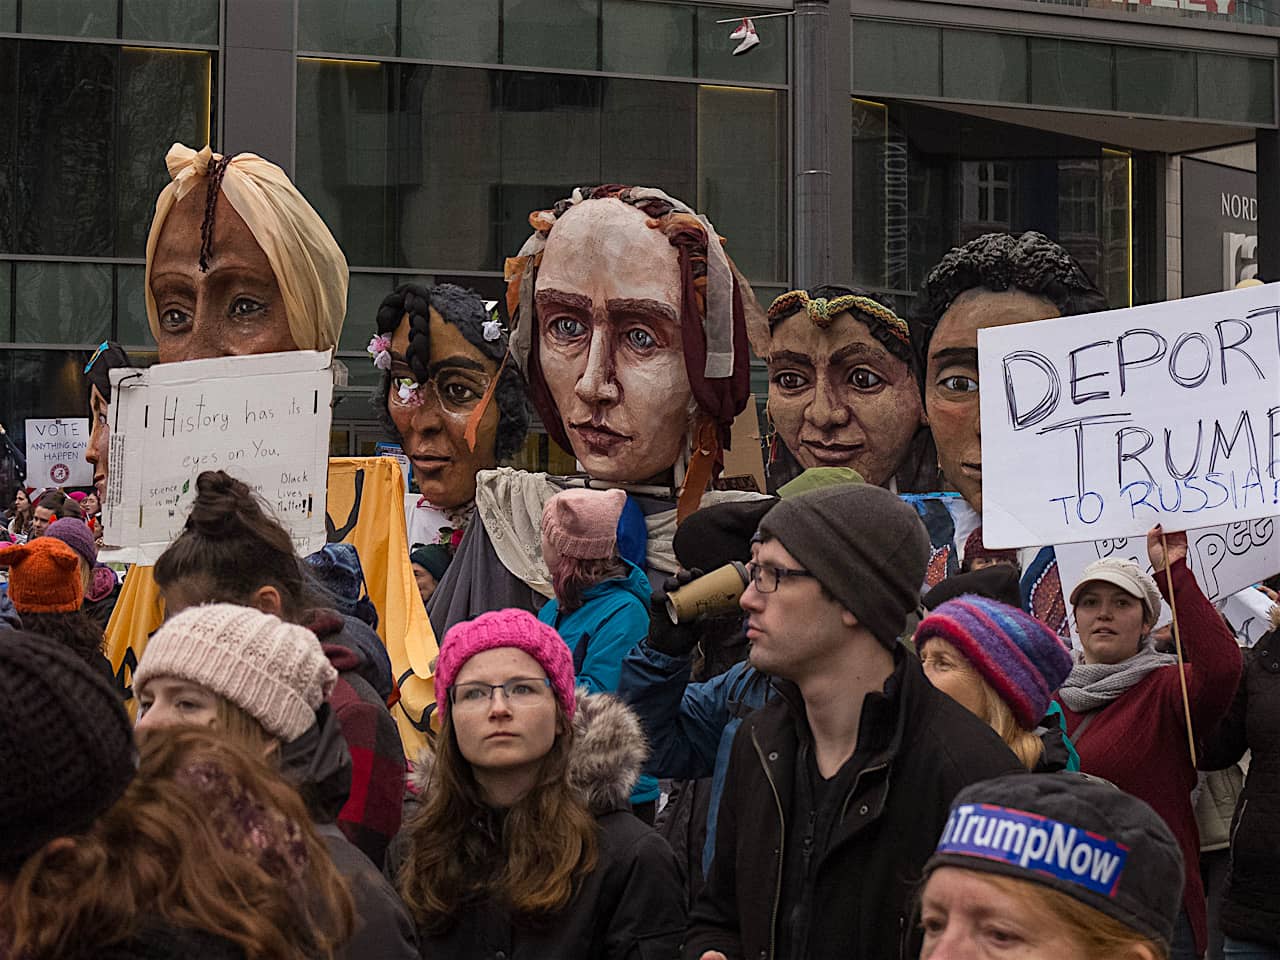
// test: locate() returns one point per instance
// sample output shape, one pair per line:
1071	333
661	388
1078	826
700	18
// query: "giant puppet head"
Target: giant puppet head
629	324
993	281
449	392
843	383
238	262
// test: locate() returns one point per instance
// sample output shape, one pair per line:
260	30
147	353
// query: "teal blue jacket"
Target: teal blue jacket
613	618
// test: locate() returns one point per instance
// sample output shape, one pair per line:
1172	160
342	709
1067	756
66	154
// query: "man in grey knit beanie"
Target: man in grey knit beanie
836	791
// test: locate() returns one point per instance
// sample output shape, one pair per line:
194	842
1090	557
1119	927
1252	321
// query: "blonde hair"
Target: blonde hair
1024	743
1100	936
241	727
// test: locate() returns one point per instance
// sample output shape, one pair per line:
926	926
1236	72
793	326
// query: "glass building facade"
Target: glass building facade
425	131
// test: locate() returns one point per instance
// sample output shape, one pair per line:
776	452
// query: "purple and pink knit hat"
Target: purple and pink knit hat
1021	658
506	628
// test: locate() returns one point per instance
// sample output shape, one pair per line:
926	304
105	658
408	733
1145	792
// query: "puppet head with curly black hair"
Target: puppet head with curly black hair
993	281
630	326
449	392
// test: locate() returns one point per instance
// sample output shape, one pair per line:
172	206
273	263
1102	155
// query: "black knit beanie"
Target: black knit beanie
867	547
1073	833
714	535
997	582
66	746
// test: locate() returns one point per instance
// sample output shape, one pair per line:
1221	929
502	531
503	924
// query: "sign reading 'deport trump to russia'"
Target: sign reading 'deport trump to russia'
1106	424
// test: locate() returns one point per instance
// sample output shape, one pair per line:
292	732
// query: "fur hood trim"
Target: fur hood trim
609	753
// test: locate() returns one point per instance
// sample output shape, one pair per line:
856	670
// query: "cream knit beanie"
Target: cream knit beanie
274	671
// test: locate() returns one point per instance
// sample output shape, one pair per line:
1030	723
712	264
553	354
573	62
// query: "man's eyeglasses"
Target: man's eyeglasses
517	692
766	578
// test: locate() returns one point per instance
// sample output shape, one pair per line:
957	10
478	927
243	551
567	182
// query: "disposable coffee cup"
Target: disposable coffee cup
711	595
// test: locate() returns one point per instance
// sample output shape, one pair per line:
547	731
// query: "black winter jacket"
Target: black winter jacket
916	748
1251	903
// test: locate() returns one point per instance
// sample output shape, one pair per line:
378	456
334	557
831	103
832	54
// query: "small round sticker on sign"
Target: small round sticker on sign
59	473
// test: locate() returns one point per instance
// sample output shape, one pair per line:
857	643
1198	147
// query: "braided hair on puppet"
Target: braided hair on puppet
464	310
1002	261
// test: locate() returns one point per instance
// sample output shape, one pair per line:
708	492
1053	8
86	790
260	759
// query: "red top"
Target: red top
1139	742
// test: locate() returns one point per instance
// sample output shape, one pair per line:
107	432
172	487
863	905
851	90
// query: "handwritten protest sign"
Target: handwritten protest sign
263	419
1224	559
1104	425
55	453
1249	613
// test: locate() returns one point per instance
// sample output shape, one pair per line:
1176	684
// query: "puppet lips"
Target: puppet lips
599	437
430	461
832	454
972	470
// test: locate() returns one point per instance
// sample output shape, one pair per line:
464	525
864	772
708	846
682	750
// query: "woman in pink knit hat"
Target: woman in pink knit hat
601	606
524	846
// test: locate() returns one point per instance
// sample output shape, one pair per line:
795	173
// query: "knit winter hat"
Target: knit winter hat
1021	658
1075	834
431	557
712	536
44	576
997	582
66	746
506	628
815	478
76	535
1126	575
77	495
867	547
975	549
274	671
581	524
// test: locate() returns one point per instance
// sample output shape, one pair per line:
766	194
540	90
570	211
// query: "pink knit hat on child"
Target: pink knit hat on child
505	628
582	524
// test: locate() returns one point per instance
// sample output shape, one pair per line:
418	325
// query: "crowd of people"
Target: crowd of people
667	720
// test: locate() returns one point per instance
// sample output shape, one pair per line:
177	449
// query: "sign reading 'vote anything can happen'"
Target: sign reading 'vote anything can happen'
1104	425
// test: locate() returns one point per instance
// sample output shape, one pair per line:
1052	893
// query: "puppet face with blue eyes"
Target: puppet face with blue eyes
609	340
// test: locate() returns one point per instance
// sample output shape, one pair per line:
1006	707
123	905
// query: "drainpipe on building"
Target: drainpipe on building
812	113
1268	152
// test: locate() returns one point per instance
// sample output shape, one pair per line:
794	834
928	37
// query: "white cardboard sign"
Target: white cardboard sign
264	419
1103	425
55	453
1224	560
1249	611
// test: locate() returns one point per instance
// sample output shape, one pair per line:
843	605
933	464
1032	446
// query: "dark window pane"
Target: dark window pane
984	66
6	291
70	18
38	384
66	108
1155	81
742	175
895	58
1235	88
63	302
448	30
550	33
649	136
1065	73
348	26
8	15
164	96
344	141
650	38
172	21
364	295
8	144
448	217
764	63
132	329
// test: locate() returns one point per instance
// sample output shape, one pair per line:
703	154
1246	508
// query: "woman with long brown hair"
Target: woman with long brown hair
196	849
515	850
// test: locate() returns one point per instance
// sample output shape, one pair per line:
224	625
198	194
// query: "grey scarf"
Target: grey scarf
1091	686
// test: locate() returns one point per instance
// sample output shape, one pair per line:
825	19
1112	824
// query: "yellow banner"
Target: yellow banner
366	510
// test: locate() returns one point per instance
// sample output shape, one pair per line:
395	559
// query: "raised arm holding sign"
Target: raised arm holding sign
1106	424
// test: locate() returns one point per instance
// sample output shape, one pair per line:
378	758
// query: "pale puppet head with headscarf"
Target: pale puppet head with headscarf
238	262
629	326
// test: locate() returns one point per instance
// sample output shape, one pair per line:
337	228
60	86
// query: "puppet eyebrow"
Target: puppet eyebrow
791	357
643	308
964	355
858	350
457	360
566	301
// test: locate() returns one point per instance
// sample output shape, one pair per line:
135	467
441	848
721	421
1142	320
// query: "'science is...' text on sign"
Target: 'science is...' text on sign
1106	424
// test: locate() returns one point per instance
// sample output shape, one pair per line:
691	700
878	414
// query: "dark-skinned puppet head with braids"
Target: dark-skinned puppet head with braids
629	322
449	392
993	281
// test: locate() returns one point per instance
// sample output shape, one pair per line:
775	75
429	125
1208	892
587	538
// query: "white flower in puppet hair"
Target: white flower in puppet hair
491	329
746	32
380	349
